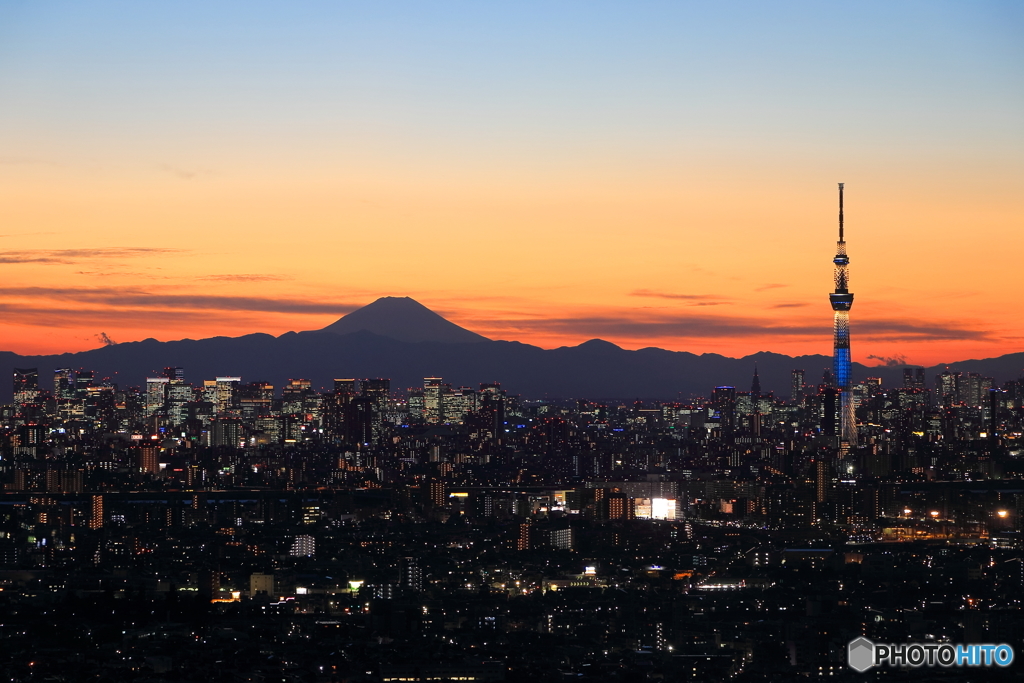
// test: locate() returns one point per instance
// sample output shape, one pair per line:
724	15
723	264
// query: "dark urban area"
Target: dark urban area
231	530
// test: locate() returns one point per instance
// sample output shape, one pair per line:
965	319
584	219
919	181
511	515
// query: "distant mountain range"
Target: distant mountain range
401	339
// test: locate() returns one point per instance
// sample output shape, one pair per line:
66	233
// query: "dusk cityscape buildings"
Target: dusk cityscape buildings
359	533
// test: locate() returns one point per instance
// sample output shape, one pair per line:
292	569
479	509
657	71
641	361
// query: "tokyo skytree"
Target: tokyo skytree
842	302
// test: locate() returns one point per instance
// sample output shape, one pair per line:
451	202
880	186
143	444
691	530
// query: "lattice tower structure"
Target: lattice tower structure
842	302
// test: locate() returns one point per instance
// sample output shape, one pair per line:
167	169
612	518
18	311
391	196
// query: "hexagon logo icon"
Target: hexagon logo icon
860	654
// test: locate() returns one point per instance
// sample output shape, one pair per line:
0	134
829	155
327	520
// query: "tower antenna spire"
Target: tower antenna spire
841	212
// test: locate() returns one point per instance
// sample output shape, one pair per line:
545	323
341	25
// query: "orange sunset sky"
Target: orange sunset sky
661	174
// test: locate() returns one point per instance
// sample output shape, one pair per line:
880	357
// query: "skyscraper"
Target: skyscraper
796	392
377	389
842	302
26	385
83	380
433	388
724	401
156	394
913	378
175	375
226	390
63	383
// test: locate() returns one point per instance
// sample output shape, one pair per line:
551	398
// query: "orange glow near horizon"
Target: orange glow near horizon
701	264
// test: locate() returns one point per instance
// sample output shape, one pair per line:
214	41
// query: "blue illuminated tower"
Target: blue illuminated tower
842	302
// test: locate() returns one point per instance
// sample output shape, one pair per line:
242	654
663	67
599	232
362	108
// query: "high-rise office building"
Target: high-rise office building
226	390
433	406
293	395
63	383
457	403
175	374
913	378
378	390
345	387
226	430
335	408
363	421
156	394
179	395
416	405
723	399
256	399
83	380
26	385
796	391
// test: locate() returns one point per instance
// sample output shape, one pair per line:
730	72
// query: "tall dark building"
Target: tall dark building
842	302
63	383
724	401
83	380
335	408
913	378
26	384
175	374
364	421
377	389
344	387
796	392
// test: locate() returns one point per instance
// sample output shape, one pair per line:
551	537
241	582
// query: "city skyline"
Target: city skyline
653	177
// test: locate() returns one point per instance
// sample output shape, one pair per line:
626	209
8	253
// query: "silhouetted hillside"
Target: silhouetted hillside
594	369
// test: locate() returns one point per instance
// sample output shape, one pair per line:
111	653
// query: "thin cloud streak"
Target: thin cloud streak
719	300
166	324
181	173
698	326
121	273
242	277
120	319
139	301
67	256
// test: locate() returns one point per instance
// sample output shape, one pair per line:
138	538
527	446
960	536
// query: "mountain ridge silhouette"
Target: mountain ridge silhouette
595	369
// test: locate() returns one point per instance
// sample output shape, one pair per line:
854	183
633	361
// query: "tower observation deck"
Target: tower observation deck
842	302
